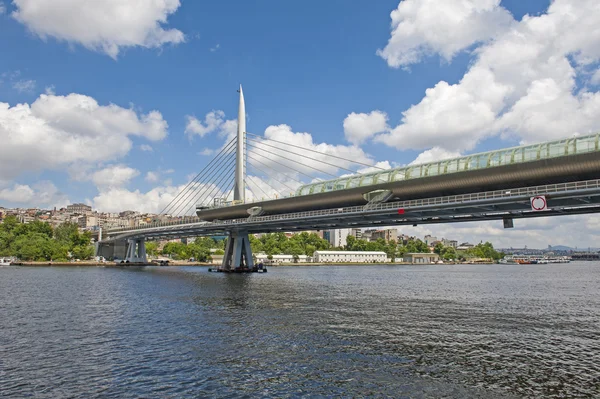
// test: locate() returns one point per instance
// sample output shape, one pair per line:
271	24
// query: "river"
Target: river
439	331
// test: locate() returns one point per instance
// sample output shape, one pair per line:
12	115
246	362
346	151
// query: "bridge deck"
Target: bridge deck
563	199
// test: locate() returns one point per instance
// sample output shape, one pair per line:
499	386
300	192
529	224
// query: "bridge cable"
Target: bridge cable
205	185
271	177
198	176
266	182
289	177
189	186
318	152
209	189
216	186
232	185
257	186
195	189
306	156
300	163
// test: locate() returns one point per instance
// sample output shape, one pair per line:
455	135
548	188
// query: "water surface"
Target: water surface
376	331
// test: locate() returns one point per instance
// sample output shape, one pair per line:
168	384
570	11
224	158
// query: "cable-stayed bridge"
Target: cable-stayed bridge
291	187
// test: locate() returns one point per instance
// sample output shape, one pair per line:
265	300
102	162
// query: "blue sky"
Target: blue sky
308	65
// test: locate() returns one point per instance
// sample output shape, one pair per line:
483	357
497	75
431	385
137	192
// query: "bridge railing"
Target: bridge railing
524	193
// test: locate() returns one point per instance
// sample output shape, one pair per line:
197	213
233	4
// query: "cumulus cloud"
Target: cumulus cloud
42	193
214	121
433	155
360	127
523	84
115	199
206	152
275	152
573	231
422	28
152	177
114	176
19	193
101	25
59	131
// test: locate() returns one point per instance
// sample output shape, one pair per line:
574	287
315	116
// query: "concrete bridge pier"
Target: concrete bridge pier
112	249
238	254
136	251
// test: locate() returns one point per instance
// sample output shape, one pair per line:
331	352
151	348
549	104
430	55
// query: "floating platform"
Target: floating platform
238	270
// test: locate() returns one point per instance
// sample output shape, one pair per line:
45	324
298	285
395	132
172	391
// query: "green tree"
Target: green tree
152	248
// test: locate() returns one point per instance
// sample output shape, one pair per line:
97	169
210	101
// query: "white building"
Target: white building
350	256
337	237
277	259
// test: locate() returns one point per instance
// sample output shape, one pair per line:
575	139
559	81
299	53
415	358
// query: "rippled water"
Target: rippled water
378	331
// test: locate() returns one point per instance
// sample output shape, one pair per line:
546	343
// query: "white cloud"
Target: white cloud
213	49
18	193
24	86
206	152
42	193
152	177
146	148
101	25
115	199
214	121
114	176
521	84
422	28
574	231
360	127
2	8
58	131
433	155
275	152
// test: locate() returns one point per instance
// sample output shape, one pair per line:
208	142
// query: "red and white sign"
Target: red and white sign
538	203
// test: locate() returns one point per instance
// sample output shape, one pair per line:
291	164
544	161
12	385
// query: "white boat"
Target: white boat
5	261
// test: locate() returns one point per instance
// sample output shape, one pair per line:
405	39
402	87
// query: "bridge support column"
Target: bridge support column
136	251
238	254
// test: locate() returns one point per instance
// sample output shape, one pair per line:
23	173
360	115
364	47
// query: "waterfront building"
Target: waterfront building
278	259
421	258
387	235
350	256
450	243
429	239
82	209
465	246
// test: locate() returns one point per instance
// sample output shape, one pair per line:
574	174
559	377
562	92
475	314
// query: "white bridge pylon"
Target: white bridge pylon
238	254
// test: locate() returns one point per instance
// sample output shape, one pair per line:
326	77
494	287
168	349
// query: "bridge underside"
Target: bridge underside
563	199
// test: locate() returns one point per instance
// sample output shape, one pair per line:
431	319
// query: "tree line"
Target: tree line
38	241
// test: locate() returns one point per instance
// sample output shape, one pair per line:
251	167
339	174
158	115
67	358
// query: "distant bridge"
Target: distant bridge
496	185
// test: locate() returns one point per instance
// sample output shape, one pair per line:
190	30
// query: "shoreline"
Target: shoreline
185	263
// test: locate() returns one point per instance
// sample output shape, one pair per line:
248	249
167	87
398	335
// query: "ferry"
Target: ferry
533	259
